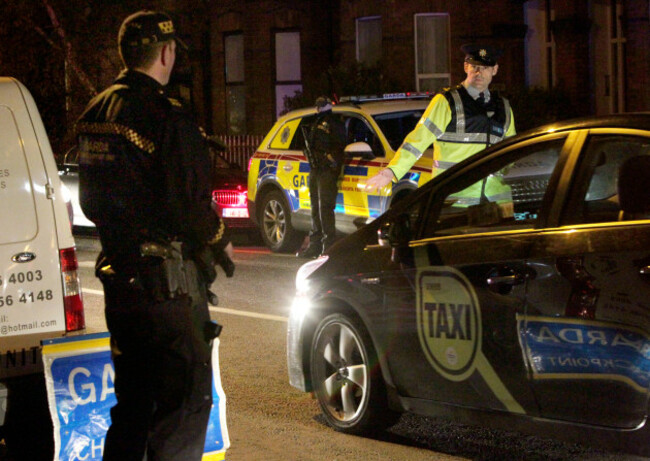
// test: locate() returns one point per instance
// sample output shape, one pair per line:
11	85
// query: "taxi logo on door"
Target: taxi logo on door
448	321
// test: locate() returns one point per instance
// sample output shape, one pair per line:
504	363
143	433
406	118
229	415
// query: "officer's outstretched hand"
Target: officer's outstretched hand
379	181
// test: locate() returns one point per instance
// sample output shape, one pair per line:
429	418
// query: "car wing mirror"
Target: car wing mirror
359	149
395	233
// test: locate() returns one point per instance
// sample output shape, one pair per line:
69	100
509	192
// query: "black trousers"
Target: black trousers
322	195
163	375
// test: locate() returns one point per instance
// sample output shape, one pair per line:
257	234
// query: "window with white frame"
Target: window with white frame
369	40
432	71
235	88
288	74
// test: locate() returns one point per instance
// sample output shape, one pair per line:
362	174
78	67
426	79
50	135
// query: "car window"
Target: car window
286	135
594	197
358	130
507	193
298	140
396	125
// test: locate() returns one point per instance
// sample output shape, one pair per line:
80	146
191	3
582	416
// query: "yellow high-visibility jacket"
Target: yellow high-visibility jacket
447	123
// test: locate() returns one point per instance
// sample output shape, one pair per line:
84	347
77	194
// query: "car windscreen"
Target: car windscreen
396	125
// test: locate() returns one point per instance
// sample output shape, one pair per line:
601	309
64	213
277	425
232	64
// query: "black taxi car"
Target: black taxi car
511	291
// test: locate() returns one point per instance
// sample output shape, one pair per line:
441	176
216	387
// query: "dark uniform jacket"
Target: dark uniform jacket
327	140
144	170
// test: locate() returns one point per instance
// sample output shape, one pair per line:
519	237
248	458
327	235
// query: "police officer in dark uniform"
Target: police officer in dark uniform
326	142
144	181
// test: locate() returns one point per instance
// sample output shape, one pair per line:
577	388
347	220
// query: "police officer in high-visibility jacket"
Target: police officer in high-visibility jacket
459	122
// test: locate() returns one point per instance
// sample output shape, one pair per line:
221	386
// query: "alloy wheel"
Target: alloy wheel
341	373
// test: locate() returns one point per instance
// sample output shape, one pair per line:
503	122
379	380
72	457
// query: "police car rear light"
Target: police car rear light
73	302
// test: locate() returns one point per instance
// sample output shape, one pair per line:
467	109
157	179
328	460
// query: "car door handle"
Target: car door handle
287	167
514	279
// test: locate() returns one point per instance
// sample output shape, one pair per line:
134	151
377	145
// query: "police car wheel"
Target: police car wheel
350	391
275	224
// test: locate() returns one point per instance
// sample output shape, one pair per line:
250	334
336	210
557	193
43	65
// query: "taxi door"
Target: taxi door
587	327
458	338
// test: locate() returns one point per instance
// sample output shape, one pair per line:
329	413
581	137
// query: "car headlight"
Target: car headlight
301	302
302	284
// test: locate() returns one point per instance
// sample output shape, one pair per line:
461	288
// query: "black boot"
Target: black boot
311	252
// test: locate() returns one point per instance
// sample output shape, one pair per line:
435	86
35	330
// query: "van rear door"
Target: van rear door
31	288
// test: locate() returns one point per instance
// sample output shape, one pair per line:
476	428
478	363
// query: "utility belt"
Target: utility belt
167	272
165	275
162	270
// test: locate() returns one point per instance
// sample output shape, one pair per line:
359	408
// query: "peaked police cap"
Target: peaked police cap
146	28
480	54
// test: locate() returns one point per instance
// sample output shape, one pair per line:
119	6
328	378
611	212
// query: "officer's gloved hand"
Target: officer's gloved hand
223	257
211	256
380	180
206	263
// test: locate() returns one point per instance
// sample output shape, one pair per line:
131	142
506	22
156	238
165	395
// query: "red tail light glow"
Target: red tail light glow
73	302
232	203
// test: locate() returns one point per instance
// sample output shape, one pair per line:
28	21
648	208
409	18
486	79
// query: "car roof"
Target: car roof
372	107
387	105
629	120
640	120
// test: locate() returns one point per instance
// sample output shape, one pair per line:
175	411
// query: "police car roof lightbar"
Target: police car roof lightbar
387	96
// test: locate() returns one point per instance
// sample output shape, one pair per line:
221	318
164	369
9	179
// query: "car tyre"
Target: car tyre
275	224
347	379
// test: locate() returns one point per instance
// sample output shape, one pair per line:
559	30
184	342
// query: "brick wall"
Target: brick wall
258	21
638	55
328	38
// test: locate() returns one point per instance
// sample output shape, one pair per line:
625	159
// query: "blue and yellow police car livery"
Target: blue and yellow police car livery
278	190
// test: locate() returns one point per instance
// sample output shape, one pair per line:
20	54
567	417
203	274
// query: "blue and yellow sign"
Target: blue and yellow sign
564	348
80	379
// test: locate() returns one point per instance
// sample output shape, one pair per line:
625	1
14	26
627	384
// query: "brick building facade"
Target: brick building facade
595	53
587	56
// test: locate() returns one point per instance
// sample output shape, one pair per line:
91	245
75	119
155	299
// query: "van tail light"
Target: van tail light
73	302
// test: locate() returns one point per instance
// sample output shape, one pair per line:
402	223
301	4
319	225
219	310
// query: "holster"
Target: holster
163	271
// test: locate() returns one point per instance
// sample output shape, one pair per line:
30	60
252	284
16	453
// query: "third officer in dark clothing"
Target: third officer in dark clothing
325	144
144	181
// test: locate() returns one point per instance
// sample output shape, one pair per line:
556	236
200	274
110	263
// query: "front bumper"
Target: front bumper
296	350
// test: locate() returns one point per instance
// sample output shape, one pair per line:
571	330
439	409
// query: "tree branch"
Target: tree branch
67	48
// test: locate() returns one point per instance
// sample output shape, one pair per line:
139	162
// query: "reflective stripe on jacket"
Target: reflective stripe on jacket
449	132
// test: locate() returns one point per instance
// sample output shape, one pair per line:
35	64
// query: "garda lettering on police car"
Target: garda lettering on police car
448	321
563	348
300	180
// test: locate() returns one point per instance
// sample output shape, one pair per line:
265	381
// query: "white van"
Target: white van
40	293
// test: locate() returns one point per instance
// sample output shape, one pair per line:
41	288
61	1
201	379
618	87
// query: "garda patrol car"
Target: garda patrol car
529	310
278	190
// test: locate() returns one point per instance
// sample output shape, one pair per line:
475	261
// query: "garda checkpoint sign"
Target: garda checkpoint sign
80	377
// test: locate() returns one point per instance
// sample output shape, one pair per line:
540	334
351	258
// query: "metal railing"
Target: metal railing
240	148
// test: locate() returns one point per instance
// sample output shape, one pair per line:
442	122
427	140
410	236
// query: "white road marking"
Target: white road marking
221	310
225	310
